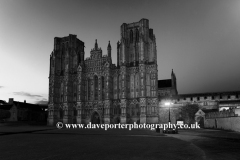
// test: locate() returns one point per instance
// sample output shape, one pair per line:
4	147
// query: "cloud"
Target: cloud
26	94
1	87
41	102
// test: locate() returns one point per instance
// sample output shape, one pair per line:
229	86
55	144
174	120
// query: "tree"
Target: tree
188	113
4	114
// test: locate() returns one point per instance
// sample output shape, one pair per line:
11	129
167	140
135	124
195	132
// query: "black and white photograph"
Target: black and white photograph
119	79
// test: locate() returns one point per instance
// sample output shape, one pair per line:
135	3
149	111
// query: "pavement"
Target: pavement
214	144
47	143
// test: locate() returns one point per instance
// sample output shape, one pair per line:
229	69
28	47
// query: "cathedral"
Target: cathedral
93	89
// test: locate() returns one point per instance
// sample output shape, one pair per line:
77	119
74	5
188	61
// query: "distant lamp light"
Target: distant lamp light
167	103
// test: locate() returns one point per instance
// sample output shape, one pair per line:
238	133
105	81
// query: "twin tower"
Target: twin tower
97	91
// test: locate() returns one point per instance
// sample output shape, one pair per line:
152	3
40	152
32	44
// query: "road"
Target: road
50	143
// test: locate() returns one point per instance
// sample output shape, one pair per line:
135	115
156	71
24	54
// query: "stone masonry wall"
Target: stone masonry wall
227	123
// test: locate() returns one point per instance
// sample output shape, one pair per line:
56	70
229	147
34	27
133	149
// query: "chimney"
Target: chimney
10	101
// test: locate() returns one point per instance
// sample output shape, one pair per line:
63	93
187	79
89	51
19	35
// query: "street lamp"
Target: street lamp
169	104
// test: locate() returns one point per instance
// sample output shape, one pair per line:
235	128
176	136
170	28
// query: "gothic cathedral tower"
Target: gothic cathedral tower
66	62
137	58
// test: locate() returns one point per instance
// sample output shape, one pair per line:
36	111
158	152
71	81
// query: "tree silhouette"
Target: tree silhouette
188	113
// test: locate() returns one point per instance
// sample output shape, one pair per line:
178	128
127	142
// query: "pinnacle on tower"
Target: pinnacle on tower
109	45
173	74
96	45
109	48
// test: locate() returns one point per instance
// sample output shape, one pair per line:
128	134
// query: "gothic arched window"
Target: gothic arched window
137	35
60	113
62	90
115	90
119	86
95	87
148	84
74	112
132	86
136	84
89	88
79	58
131	36
137	110
103	97
74	91
62	61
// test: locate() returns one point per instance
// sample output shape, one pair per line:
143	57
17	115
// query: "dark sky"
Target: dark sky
198	39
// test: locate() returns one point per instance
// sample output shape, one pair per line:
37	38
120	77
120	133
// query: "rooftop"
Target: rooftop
166	83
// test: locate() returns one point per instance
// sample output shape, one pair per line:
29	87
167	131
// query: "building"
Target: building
167	87
98	91
212	100
93	89
22	111
208	103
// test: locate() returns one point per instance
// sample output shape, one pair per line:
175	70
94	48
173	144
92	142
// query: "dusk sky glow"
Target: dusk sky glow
198	39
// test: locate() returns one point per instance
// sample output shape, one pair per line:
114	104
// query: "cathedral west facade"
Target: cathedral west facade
98	91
